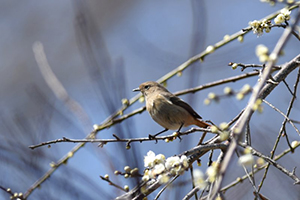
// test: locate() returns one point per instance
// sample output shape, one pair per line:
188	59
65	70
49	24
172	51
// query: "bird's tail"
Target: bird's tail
201	123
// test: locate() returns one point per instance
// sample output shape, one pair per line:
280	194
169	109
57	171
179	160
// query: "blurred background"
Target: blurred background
101	50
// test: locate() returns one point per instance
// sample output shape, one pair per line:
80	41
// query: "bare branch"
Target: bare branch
259	91
286	117
274	163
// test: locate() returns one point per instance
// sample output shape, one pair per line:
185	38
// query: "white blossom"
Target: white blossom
146	176
286	12
172	164
160	158
246	159
199	180
295	144
158	169
149	159
211	173
283	16
210	49
184	161
163	178
262	52
279	19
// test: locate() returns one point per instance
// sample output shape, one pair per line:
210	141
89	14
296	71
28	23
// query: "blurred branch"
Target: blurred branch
61	94
56	86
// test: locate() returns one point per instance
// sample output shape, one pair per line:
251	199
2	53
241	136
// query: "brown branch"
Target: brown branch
105	141
112	183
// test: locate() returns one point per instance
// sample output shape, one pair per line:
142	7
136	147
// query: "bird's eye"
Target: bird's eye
147	87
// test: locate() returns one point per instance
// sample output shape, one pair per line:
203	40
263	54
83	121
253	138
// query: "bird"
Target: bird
168	110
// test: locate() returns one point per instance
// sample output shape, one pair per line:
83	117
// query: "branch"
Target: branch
259	91
274	163
194	154
128	140
282	128
241	179
286	117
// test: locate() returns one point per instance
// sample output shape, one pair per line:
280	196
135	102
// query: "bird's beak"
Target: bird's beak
136	90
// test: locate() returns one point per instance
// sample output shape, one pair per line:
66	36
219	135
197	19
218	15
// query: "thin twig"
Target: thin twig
286	117
105	141
193	180
216	83
191	193
112	183
289	89
165	187
250	177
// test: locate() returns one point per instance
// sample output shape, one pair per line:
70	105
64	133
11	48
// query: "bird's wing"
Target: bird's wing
177	101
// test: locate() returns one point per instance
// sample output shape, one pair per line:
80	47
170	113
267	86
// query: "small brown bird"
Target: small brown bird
167	109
